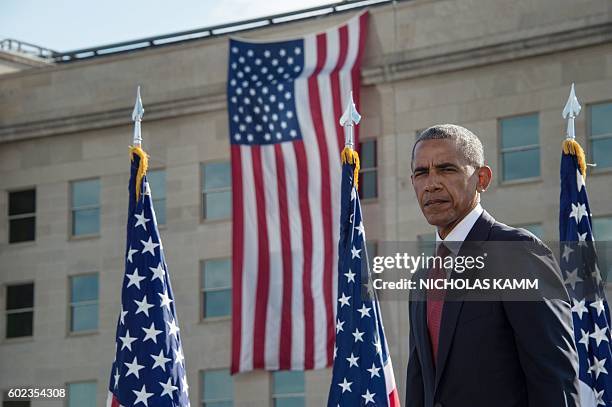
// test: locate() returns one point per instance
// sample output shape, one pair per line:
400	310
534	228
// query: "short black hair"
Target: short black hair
469	145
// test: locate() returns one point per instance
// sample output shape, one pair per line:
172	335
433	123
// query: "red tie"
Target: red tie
435	302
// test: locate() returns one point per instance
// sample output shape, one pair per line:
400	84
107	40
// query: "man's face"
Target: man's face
444	182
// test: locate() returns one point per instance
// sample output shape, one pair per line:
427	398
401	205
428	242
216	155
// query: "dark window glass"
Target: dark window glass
600	139
288	388
216	288
22	216
368	174
216	190
157	182
217	388
19	310
84	303
86	207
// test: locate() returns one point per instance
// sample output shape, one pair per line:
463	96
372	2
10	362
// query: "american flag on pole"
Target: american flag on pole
149	366
362	373
284	99
583	281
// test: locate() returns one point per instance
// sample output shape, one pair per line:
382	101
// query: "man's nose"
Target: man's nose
432	183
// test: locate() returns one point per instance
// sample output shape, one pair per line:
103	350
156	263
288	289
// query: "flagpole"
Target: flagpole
570	145
137	114
349	120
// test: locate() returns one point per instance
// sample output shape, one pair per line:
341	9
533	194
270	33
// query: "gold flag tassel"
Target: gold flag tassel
142	167
351	156
571	147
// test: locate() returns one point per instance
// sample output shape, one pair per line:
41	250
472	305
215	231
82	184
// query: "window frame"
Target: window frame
72	210
276	396
154	200
18	310
373	169
22	215
528	147
201	397
71	304
204	191
203	290
589	138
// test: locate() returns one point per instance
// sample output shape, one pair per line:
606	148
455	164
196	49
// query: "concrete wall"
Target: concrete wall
468	62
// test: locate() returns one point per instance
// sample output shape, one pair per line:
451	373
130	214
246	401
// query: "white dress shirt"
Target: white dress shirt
460	231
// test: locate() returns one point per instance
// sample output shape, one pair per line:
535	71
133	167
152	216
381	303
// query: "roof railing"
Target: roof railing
22	47
214	31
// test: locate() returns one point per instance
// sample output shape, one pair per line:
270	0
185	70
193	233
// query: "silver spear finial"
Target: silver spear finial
570	111
349	119
137	118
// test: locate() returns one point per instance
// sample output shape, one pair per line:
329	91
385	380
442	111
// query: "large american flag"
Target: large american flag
362	374
149	366
583	281
284	101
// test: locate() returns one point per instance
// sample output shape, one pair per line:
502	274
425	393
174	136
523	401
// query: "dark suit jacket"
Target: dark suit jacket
496	353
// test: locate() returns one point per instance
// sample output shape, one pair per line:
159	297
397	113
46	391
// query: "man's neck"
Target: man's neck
445	230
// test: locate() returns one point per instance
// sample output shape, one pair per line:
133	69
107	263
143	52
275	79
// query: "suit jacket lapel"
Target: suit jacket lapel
424	345
452	307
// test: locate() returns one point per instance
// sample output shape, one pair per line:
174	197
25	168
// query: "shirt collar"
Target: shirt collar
460	231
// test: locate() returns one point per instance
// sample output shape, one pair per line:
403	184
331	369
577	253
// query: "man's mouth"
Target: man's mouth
435	202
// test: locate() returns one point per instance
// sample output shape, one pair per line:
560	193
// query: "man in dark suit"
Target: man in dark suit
502	353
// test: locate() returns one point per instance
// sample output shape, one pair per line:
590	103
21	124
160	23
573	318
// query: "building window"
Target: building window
520	147
535	228
368	181
19	310
13	402
600	134
217	388
216	288
85	207
602	231
82	394
84	303
157	182
22	216
216	190
288	388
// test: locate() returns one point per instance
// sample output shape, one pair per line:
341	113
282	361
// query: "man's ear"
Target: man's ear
485	174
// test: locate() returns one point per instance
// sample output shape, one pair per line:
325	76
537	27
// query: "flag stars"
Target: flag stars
579	307
178	356
339	326
582	239
142	396
126	341
598	305
374	371
116	376
378	346
168	388
184	384
353	360
578	211
346	386
133	368
360	229
149	246
134	278
358	335
130	254
165	300
566	252
599	334
364	311
368	397
355	253
160	360
344	300
598	367
584	339
573	278
158	272
350	276
151	333
143	306
141	220
173	327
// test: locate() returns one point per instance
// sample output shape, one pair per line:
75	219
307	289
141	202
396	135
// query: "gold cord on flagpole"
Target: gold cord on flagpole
351	156
571	147
142	167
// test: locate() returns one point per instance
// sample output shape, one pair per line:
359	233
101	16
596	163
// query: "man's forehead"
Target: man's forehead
432	152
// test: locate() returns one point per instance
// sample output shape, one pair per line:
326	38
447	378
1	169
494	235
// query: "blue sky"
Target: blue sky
64	25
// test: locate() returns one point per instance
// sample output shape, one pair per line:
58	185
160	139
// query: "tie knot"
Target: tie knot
442	250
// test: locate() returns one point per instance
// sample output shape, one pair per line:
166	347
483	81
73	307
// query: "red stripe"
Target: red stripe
115	402
394	398
335	85
300	159
285	236
237	255
263	264
326	209
356	71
